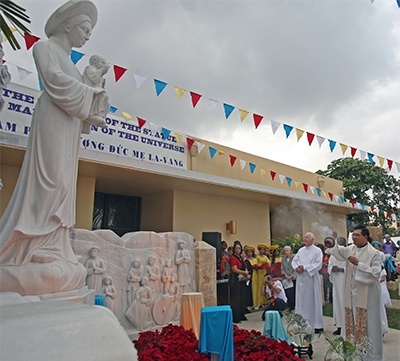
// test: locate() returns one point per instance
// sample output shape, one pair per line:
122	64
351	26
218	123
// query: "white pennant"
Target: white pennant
242	163
275	125
139	79
320	140
282	178
155	128
398	166
211	103
362	154
312	189
23	73
200	146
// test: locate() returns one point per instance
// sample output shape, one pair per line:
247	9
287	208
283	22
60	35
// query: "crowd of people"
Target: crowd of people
350	277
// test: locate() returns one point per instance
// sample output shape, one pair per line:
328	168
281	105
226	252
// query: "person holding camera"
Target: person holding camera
275	292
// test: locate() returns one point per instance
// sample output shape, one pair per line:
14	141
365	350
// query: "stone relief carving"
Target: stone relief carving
182	260
109	293
96	268
167	275
134	276
152	272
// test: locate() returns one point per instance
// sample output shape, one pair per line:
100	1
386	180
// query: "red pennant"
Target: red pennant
30	40
195	98
310	138
372	209
3	61
353	151
189	142
118	72
305	187
273	174
257	120
352	203
141	122
390	163
232	159
330	195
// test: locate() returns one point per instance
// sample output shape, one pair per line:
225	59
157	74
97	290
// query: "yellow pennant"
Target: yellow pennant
243	114
296	184
220	152
299	133
262	171
126	115
178	137
344	147
381	160
179	92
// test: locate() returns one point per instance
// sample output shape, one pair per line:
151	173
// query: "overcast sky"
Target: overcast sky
330	67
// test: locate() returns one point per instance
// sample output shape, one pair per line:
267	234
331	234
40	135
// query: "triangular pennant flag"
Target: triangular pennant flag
381	160
165	133
305	187
178	137
299	133
252	167
371	158
352	203
332	144
296	184
242	163
195	98
200	146
155	128
274	125
257	120
212	104
318	192
76	56
398	3
228	110
289	181
179	92
362	154
312	189
281	178
353	151
30	40
243	114
262	172
118	72
389	163
212	151
344	147
141	122
126	115
273	174
320	140
189	142
288	129
330	195
310	137
232	159
139	79
221	152
160	86
23	73
112	109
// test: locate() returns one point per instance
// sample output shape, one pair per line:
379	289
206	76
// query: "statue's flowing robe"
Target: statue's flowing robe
362	296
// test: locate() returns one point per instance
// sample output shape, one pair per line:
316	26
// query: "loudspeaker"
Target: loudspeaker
214	239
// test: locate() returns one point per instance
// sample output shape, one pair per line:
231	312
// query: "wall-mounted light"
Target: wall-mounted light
321	181
231	226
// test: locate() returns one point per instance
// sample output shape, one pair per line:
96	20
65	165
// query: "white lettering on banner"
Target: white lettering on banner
121	139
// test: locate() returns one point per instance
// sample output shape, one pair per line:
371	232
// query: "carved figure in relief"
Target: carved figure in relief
182	260
166	307
138	312
134	276
109	293
96	268
166	276
152	272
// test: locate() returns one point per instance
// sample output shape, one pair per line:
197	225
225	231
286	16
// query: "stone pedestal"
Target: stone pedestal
83	295
206	272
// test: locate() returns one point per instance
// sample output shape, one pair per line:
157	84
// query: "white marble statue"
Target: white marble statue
139	311
182	260
152	272
134	276
93	76
109	293
167	275
96	268
36	254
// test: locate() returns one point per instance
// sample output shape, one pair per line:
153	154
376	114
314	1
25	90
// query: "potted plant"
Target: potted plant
346	350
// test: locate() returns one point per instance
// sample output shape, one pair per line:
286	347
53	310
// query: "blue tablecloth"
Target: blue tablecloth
273	327
216	332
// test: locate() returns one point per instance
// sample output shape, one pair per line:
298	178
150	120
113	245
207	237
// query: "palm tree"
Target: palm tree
14	14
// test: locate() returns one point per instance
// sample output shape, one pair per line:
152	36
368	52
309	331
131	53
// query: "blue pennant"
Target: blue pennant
332	145
252	167
212	152
228	110
288	129
76	56
160	86
165	133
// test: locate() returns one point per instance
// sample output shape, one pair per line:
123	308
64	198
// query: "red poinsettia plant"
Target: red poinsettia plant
175	343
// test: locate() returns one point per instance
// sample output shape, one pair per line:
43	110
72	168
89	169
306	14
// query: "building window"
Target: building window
120	214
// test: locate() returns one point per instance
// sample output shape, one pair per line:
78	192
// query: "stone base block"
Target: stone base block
83	295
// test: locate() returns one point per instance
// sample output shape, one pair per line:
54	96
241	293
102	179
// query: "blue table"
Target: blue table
273	327
216	332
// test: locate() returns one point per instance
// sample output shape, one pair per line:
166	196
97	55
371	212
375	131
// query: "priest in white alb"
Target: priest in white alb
362	292
307	262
